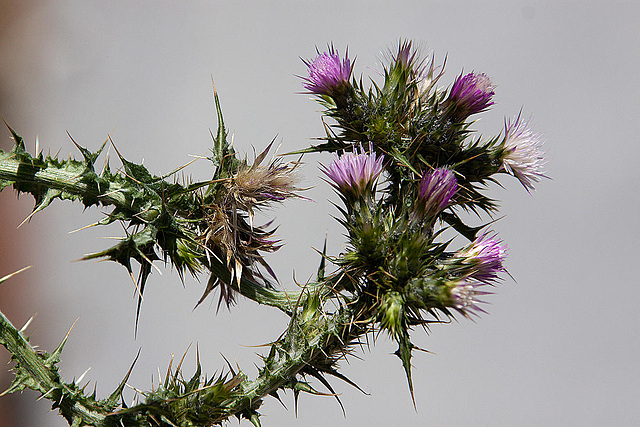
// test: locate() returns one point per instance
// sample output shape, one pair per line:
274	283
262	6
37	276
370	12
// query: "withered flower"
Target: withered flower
230	233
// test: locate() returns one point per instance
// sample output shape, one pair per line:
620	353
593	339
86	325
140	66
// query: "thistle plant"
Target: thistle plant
407	168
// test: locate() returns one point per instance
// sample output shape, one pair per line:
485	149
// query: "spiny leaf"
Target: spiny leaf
113	398
330	146
54	358
89	157
19	142
467	231
323	256
404	353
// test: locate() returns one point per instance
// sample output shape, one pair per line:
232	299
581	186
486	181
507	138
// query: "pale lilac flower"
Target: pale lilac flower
327	73
483	258
471	94
406	55
423	70
464	297
435	191
522	154
354	173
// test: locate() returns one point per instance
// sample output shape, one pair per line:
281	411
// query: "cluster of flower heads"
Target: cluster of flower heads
521	151
354	172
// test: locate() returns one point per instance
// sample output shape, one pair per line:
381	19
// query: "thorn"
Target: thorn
74	141
182	359
324	382
58	350
277	396
83	374
150	263
27	218
135	283
84	228
212	84
135	389
106	157
26	325
110	193
181	167
9	276
168	371
229	365
41	397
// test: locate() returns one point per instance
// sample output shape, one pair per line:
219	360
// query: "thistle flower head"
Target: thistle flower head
422	71
354	174
470	94
405	54
327	73
435	191
256	185
239	245
482	260
522	154
229	232
464	296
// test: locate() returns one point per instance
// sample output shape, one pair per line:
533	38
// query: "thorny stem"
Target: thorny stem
306	343
44	378
302	344
14	170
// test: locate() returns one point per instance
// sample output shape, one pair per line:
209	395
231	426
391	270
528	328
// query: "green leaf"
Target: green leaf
404	353
467	231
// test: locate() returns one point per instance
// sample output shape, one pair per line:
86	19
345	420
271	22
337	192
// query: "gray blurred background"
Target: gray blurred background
559	347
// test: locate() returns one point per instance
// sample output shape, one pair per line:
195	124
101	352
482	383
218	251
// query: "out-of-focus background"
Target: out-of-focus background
559	347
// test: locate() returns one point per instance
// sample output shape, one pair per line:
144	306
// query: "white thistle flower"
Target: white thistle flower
522	154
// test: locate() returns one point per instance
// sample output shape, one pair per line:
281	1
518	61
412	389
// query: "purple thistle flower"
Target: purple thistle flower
522	154
484	257
471	94
327	73
435	191
354	173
